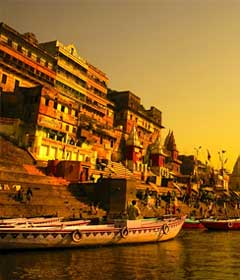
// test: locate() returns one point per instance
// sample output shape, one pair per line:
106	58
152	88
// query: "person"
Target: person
133	211
20	195
29	194
100	178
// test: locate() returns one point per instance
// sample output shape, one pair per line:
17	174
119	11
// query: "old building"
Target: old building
172	161
235	176
72	110
87	86
130	112
22	61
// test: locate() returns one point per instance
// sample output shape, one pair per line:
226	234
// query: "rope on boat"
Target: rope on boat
165	229
124	232
77	236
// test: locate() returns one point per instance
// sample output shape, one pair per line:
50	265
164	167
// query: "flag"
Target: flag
208	155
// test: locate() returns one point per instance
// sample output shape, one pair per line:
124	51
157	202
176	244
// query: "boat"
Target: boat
69	236
221	224
39	222
192	223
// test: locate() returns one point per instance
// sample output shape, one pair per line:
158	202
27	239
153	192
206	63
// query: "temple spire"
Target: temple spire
133	139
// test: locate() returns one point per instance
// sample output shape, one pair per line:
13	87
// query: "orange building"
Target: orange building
22	62
73	113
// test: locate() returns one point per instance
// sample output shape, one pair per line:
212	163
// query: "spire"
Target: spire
133	139
157	147
236	168
170	143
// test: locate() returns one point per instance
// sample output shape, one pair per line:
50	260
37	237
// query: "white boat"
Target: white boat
40	222
121	232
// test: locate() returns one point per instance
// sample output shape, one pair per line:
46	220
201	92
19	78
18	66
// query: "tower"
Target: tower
133	151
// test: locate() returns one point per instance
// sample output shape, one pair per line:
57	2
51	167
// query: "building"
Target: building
72	113
23	62
130	112
87	86
235	176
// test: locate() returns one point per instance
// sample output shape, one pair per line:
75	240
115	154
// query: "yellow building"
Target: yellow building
87	86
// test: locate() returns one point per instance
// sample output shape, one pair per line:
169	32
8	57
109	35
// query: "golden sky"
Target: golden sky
182	56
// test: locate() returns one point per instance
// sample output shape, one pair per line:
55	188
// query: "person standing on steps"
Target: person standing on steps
29	194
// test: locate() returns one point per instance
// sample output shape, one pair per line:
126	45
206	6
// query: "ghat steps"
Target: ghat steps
51	195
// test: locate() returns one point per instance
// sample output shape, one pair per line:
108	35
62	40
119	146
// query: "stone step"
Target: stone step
20	177
33	170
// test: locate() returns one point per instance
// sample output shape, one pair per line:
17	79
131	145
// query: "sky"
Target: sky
181	56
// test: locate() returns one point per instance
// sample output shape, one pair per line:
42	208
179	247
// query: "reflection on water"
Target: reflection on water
193	255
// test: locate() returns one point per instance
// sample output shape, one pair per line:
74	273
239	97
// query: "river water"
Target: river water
192	255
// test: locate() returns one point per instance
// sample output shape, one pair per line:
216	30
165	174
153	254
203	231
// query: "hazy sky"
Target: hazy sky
182	56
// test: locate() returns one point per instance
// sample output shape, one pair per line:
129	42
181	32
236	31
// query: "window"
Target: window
19	48
55	103
9	42
29	54
67	127
112	143
4	78
62	108
47	101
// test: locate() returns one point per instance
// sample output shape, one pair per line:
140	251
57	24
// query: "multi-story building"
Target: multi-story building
22	62
87	86
73	110
130	112
142	132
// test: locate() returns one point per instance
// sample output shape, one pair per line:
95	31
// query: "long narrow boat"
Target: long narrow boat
222	224
40	222
121	232
193	224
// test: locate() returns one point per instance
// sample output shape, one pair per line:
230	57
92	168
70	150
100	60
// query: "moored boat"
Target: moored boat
190	223
40	222
222	224
121	232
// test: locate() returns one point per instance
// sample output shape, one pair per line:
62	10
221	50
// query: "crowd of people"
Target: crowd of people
202	203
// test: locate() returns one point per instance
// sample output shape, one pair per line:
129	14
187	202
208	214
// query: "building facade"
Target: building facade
22	62
87	86
73	113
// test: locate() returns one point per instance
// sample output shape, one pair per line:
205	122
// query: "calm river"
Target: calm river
192	255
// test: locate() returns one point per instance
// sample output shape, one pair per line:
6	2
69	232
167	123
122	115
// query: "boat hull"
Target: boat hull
193	224
89	235
231	224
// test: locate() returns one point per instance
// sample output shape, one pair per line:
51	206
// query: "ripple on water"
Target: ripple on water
194	255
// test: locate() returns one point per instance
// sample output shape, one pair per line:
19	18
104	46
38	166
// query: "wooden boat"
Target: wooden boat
191	223
39	222
121	232
221	224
